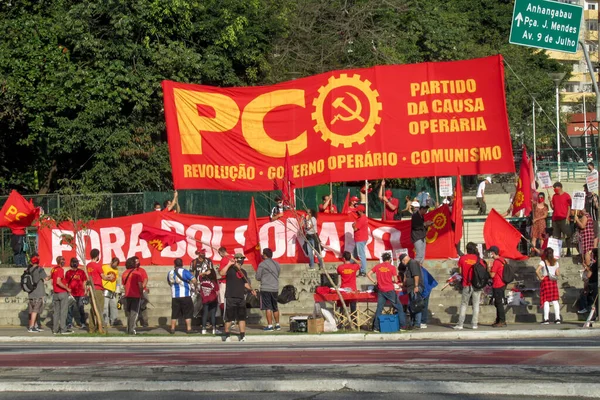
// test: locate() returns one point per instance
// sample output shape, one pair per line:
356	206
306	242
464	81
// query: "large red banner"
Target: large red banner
119	237
428	119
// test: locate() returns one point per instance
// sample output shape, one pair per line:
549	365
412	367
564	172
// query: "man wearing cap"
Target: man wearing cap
235	295
480	196
201	265
386	275
361	235
413	285
561	212
498	286
390	203
268	275
418	232
352	206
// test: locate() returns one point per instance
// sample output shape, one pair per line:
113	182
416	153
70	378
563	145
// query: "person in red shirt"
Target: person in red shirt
347	274
561	212
75	279
327	206
361	234
95	273
498	286
133	284
390	203
386	275
60	300
143	312
465	266
352	206
226	261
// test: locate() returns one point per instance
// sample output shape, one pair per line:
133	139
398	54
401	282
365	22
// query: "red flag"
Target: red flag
522	198
457	211
498	232
346	206
160	238
18	213
252	244
287	188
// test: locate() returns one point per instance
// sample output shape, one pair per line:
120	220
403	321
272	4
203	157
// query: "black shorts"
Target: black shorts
268	301
235	309
182	307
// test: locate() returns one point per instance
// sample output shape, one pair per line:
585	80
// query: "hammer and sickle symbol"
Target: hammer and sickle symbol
354	114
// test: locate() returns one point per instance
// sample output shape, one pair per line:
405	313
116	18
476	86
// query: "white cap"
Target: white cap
415	204
489	179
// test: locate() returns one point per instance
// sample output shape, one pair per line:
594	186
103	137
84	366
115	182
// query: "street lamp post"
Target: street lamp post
557	77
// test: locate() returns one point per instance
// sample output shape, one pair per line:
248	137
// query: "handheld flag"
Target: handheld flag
498	232
18	213
346	206
522	198
160	238
252	244
288	185
457	211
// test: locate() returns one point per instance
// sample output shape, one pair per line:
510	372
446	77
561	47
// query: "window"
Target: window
571	87
592	24
591	6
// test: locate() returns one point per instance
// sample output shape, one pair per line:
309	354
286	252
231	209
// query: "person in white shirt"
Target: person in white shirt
481	196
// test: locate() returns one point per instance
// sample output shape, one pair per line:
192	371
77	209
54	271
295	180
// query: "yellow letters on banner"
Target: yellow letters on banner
13	211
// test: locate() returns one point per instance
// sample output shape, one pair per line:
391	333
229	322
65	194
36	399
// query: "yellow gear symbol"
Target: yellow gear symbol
520	197
439	221
374	109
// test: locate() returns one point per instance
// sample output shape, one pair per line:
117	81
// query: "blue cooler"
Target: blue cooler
389	323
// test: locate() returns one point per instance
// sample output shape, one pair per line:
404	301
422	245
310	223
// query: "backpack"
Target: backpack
479	275
27	283
208	291
508	273
288	293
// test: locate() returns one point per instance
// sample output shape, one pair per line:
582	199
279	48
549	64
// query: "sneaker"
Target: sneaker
499	325
83	326
243	339
363	274
458	327
70	326
33	329
277	327
39	328
583	311
67	332
474	327
216	332
268	329
204	331
545	322
558	321
56	333
423	326
227	339
375	330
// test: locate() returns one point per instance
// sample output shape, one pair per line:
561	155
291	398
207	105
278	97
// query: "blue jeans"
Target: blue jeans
361	254
425	312
392	297
415	317
80	307
311	254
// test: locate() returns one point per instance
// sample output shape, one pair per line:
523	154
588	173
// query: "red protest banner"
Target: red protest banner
120	237
386	121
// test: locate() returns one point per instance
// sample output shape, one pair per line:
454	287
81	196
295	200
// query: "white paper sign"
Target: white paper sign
556	245
578	201
446	187
480	250
592	181
544	178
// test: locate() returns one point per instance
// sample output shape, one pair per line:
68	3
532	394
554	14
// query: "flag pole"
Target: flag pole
330	197
437	199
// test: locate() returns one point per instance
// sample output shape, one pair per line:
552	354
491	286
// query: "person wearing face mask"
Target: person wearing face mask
277	211
540	213
561	207
585	230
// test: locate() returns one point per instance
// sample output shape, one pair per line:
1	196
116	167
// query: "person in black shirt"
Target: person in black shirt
235	295
591	206
590	289
418	232
412	285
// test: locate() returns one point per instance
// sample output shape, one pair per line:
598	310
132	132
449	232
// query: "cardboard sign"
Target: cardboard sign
592	181
446	187
545	180
578	200
556	245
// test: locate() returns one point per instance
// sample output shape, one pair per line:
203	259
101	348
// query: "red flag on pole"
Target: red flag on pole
498	232
522	198
457	211
252	244
288	186
160	238
346	205
18	213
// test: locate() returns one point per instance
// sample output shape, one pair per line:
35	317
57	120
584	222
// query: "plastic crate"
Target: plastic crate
389	323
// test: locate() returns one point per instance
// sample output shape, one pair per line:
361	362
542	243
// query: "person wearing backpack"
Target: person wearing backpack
548	272
36	293
181	281
268	275
466	264
209	293
498	286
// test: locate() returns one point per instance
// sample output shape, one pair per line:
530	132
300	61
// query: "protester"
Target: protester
591	168
361	235
423	197
480	196
590	290
75	279
540	214
390	203
172	205
209	293
277	211
584	226
157	206
132	282
201	265
386	275
18	246
413	286
591	207
347	276
418	232
60	300
142	317
313	244
225	260
235	295
408	210
364	192
182	283
268	275
36	296
498	286
465	267
327	205
110	291
561	206
96	275
548	272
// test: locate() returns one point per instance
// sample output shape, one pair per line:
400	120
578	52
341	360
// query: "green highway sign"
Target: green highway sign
546	24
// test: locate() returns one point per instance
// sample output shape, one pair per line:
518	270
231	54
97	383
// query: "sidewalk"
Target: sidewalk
255	334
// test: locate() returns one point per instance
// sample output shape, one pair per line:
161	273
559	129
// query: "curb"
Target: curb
547	389
308	338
